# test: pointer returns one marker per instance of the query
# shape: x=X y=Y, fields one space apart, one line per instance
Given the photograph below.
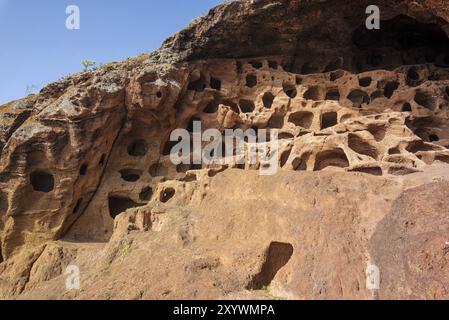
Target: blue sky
x=37 y=49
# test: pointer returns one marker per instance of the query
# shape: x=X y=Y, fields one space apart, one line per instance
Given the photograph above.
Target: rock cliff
x=363 y=117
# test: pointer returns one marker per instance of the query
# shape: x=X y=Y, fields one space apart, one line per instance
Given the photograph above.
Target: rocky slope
x=86 y=178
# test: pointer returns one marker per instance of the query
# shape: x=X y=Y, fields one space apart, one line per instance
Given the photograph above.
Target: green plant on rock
x=125 y=246
x=270 y=295
x=88 y=64
x=108 y=67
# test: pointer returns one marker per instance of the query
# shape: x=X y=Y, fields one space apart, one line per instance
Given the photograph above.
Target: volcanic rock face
x=86 y=176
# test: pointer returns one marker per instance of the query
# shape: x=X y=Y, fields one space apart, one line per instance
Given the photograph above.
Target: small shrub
x=108 y=67
x=88 y=64
x=126 y=246
x=270 y=295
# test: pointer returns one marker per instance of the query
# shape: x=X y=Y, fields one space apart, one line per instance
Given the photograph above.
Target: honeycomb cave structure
x=379 y=107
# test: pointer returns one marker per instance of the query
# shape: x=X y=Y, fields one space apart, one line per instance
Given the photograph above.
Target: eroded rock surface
x=86 y=177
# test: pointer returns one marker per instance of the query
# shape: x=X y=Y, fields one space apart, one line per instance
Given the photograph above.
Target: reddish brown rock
x=86 y=177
